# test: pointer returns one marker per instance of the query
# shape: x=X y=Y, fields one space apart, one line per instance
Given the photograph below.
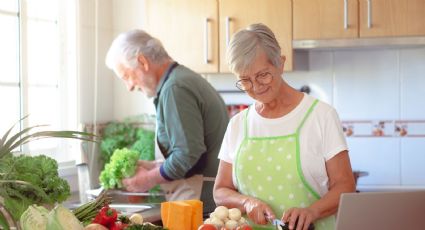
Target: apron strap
x=298 y=128
x=245 y=124
x=307 y=115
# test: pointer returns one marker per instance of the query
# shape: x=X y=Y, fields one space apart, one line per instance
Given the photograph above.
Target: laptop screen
x=381 y=210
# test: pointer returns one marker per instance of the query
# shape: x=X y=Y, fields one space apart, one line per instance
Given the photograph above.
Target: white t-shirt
x=321 y=137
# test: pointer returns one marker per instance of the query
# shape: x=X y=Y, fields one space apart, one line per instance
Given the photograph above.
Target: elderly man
x=191 y=118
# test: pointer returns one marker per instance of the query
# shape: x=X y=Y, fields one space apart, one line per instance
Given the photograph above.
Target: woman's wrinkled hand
x=258 y=211
x=301 y=217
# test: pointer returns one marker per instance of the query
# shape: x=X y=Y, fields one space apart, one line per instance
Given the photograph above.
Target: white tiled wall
x=412 y=161
x=366 y=84
x=412 y=75
x=380 y=157
x=365 y=80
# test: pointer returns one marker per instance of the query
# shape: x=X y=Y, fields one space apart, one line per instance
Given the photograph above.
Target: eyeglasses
x=247 y=84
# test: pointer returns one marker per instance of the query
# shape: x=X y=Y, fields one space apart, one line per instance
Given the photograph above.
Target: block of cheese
x=176 y=215
x=181 y=215
x=197 y=211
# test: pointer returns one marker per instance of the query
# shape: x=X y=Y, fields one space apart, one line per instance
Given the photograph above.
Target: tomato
x=244 y=227
x=207 y=227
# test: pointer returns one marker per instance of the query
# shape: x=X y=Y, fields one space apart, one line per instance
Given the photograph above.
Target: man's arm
x=184 y=127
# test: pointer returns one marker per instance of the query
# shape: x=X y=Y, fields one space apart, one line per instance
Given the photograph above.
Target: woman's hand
x=258 y=211
x=303 y=217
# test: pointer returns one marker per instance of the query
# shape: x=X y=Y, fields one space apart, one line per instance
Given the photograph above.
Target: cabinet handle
x=369 y=14
x=227 y=30
x=345 y=14
x=206 y=41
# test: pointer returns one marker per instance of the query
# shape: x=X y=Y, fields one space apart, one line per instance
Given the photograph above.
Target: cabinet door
x=379 y=18
x=325 y=19
x=188 y=30
x=238 y=14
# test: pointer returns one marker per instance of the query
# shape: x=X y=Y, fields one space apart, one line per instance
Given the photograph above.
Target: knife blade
x=278 y=224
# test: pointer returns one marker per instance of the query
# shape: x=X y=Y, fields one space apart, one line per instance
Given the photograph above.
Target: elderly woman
x=285 y=156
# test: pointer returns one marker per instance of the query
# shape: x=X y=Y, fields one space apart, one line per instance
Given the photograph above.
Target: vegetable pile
x=123 y=164
x=33 y=180
x=109 y=219
x=224 y=218
x=60 y=218
x=26 y=180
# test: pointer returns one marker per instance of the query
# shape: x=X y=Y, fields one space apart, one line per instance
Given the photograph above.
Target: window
x=38 y=74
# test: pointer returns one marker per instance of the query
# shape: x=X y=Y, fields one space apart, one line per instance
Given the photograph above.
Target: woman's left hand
x=305 y=217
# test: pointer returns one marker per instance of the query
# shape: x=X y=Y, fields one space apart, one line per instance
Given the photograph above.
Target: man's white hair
x=127 y=46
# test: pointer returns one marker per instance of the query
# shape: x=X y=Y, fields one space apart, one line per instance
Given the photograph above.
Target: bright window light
x=38 y=75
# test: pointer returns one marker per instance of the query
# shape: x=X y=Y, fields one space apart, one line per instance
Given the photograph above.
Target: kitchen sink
x=120 y=196
x=127 y=203
x=132 y=208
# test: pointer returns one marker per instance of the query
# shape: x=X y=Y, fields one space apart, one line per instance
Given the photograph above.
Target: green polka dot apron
x=269 y=168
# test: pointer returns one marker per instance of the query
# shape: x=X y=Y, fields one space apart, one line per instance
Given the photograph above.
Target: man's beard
x=145 y=93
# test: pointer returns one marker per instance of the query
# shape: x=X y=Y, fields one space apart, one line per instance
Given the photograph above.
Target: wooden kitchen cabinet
x=392 y=18
x=325 y=19
x=188 y=29
x=328 y=19
x=238 y=14
x=195 y=32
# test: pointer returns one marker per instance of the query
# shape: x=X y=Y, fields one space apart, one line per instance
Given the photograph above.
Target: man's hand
x=140 y=182
x=149 y=165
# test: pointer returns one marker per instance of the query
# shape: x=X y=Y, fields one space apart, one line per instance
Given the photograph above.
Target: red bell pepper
x=107 y=216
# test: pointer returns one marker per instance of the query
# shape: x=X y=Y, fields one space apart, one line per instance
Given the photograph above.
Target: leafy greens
x=123 y=164
x=127 y=134
x=39 y=182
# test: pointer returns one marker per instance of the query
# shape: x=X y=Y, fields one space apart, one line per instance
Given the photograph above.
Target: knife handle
x=286 y=226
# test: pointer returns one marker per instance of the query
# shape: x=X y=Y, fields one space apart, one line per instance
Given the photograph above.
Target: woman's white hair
x=128 y=45
x=245 y=45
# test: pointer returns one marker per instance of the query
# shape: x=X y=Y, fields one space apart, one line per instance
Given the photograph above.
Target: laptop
x=381 y=210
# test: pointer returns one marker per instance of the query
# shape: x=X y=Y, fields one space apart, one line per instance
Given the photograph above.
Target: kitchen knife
x=279 y=225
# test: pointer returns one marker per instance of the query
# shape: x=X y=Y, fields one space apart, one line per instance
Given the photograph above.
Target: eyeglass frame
x=259 y=76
